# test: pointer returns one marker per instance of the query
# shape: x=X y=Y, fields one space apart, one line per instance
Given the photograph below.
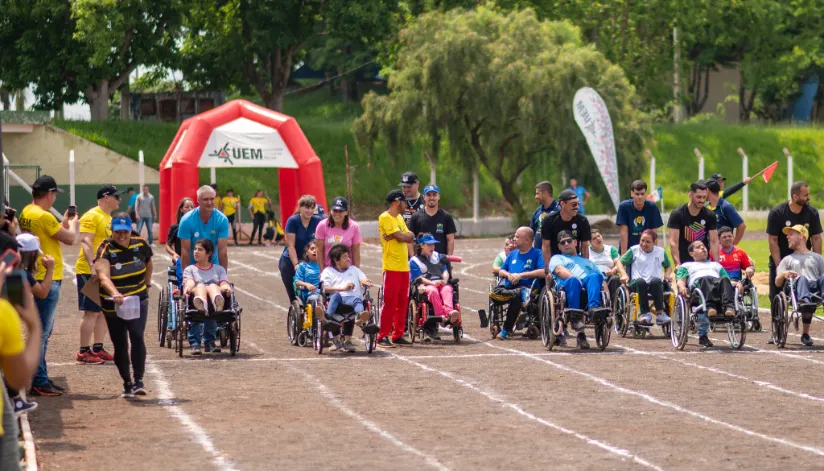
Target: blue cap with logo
x=431 y=188
x=428 y=239
x=121 y=224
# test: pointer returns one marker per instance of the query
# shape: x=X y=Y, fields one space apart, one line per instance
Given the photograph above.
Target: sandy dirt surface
x=482 y=404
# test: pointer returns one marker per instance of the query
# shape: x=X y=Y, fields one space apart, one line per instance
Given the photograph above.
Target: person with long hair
x=339 y=228
x=300 y=230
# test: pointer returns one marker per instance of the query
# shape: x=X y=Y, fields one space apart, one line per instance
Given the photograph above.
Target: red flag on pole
x=767 y=172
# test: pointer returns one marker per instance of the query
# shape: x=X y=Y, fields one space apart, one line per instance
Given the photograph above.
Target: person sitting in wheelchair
x=607 y=258
x=523 y=264
x=647 y=260
x=572 y=273
x=807 y=269
x=307 y=275
x=343 y=283
x=734 y=260
x=431 y=270
x=501 y=257
x=711 y=278
x=206 y=279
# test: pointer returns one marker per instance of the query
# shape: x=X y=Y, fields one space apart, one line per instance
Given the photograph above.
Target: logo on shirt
x=695 y=232
x=337 y=239
x=528 y=264
x=197 y=234
x=640 y=221
x=439 y=228
x=118 y=266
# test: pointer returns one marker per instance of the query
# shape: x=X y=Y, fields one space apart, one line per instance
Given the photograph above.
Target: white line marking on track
x=167 y=398
x=240 y=290
x=661 y=402
x=771 y=352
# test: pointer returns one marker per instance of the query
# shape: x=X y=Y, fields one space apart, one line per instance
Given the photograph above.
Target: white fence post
x=700 y=163
x=789 y=173
x=745 y=172
x=213 y=175
x=71 y=177
x=476 y=200
x=652 y=186
x=141 y=163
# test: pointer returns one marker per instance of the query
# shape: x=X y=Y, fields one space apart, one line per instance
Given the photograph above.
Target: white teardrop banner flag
x=592 y=117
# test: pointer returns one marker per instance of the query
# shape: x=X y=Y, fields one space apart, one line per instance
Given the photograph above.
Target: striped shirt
x=127 y=269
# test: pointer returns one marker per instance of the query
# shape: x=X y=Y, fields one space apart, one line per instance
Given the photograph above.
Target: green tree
x=501 y=85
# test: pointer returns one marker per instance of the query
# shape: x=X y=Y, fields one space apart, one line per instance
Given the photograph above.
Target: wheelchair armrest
x=454 y=281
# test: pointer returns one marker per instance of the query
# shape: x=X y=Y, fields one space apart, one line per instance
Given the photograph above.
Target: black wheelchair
x=300 y=321
x=556 y=315
x=228 y=320
x=326 y=326
x=626 y=308
x=167 y=311
x=529 y=318
x=785 y=310
x=684 y=320
x=420 y=317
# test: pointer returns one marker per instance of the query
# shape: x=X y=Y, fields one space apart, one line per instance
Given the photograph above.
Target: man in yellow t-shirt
x=37 y=219
x=230 y=204
x=95 y=227
x=257 y=210
x=394 y=237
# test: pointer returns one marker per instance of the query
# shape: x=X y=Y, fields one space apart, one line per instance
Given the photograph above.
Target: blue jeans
x=336 y=300
x=572 y=287
x=148 y=222
x=46 y=308
x=703 y=324
x=207 y=328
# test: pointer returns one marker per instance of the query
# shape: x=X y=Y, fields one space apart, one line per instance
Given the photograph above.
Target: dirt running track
x=479 y=405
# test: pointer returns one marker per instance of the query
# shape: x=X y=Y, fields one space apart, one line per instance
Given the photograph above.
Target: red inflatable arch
x=239 y=134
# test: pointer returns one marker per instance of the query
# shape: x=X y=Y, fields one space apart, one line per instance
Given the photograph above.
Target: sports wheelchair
x=228 y=320
x=684 y=320
x=556 y=316
x=785 y=311
x=529 y=318
x=326 y=326
x=626 y=308
x=420 y=316
x=167 y=310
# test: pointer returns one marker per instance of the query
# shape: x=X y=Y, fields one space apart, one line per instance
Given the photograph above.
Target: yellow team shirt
x=395 y=253
x=258 y=205
x=44 y=225
x=11 y=337
x=96 y=222
x=218 y=199
x=229 y=203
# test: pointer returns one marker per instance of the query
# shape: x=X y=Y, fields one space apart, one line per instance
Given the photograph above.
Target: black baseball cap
x=340 y=204
x=718 y=177
x=713 y=185
x=567 y=195
x=109 y=190
x=394 y=195
x=409 y=178
x=46 y=183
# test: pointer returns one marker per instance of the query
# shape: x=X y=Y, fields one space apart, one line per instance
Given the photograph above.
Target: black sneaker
x=385 y=343
x=401 y=341
x=196 y=350
x=21 y=406
x=138 y=388
x=704 y=341
x=806 y=340
x=561 y=341
x=582 y=341
x=45 y=390
x=57 y=386
x=128 y=390
x=212 y=348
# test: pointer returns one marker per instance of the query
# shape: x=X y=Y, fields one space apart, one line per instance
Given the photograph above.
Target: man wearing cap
x=37 y=219
x=807 y=269
x=147 y=212
x=727 y=192
x=414 y=200
x=434 y=220
x=692 y=222
x=566 y=219
x=95 y=227
x=725 y=213
x=394 y=239
x=546 y=206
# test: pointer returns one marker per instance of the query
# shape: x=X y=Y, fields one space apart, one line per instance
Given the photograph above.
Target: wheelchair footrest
x=807 y=308
x=574 y=314
x=433 y=321
x=370 y=329
x=600 y=313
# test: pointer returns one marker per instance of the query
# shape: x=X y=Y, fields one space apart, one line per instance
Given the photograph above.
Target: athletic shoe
x=349 y=347
x=711 y=312
x=503 y=335
x=454 y=316
x=435 y=334
x=401 y=341
x=128 y=390
x=211 y=347
x=385 y=343
x=56 y=386
x=771 y=341
x=21 y=406
x=582 y=341
x=103 y=355
x=704 y=341
x=45 y=390
x=218 y=302
x=196 y=350
x=806 y=340
x=199 y=303
x=561 y=341
x=645 y=318
x=138 y=388
x=88 y=358
x=730 y=311
x=662 y=319
x=338 y=344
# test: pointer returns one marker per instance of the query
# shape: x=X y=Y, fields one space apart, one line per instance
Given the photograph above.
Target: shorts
x=83 y=302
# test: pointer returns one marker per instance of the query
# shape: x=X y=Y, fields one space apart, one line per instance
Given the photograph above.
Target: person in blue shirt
x=132 y=201
x=572 y=273
x=583 y=194
x=204 y=222
x=635 y=215
x=299 y=231
x=307 y=275
x=523 y=264
x=725 y=211
x=546 y=205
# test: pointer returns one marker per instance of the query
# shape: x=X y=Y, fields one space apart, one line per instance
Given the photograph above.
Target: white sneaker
x=199 y=303
x=645 y=318
x=662 y=319
x=218 y=301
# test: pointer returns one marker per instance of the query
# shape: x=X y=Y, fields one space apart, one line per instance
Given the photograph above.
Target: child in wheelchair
x=205 y=280
x=431 y=270
x=307 y=275
x=343 y=282
x=647 y=260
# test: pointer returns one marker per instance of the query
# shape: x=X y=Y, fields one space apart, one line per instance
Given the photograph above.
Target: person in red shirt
x=732 y=258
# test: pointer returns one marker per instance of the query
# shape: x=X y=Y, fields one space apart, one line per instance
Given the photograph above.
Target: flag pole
x=789 y=173
x=744 y=171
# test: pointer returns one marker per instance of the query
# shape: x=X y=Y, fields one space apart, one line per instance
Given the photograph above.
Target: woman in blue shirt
x=299 y=231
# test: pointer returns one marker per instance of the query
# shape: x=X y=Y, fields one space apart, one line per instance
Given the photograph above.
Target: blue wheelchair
x=167 y=309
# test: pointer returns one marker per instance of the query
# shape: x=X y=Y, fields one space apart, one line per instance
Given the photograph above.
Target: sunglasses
x=573 y=203
x=565 y=242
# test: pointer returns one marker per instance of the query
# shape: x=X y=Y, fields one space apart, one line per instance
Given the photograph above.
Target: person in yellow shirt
x=95 y=227
x=257 y=210
x=394 y=237
x=37 y=219
x=229 y=206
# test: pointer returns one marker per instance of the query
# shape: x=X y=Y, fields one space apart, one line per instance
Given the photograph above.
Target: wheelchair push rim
x=680 y=323
x=779 y=320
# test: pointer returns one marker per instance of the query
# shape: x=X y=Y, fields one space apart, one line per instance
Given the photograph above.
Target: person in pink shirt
x=338 y=228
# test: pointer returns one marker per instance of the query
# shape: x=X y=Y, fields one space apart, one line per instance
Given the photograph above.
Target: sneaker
x=645 y=318
x=349 y=347
x=806 y=340
x=196 y=350
x=704 y=341
x=88 y=358
x=662 y=319
x=401 y=341
x=385 y=343
x=435 y=334
x=561 y=341
x=503 y=335
x=712 y=312
x=338 y=344
x=128 y=390
x=582 y=341
x=771 y=341
x=138 y=388
x=453 y=317
x=45 y=390
x=729 y=311
x=218 y=302
x=103 y=355
x=56 y=386
x=363 y=318
x=199 y=303
x=212 y=348
x=21 y=406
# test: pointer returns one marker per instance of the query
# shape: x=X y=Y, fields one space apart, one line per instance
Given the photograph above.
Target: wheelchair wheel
x=545 y=316
x=494 y=328
x=639 y=332
x=412 y=319
x=379 y=306
x=737 y=333
x=293 y=330
x=224 y=338
x=680 y=324
x=780 y=320
x=556 y=327
x=457 y=333
x=162 y=316
x=234 y=332
x=602 y=334
x=620 y=311
x=239 y=329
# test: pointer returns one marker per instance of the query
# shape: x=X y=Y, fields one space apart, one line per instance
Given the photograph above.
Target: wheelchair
x=167 y=311
x=555 y=315
x=326 y=326
x=420 y=317
x=227 y=319
x=684 y=320
x=747 y=298
x=626 y=309
x=300 y=321
x=785 y=311
x=528 y=319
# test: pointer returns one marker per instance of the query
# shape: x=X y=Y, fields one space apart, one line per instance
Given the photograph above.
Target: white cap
x=28 y=242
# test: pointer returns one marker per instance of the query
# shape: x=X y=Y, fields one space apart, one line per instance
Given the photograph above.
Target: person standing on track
x=172 y=240
x=146 y=210
x=414 y=200
x=132 y=199
x=37 y=219
x=300 y=230
x=95 y=227
x=567 y=219
x=692 y=222
x=434 y=220
x=257 y=211
x=338 y=228
x=546 y=205
x=725 y=212
x=635 y=215
x=229 y=206
x=581 y=192
x=394 y=239
x=727 y=192
x=204 y=222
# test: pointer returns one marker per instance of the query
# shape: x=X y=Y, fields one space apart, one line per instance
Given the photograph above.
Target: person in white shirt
x=343 y=282
x=647 y=261
x=607 y=259
x=807 y=269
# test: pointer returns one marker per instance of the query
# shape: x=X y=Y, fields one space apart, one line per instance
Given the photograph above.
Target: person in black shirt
x=414 y=200
x=726 y=192
x=788 y=214
x=172 y=241
x=565 y=219
x=693 y=222
x=434 y=220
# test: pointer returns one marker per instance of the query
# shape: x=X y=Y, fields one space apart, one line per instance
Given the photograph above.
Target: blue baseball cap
x=428 y=239
x=431 y=188
x=121 y=224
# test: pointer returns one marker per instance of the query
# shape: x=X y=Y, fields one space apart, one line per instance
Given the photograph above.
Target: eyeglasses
x=573 y=203
x=565 y=242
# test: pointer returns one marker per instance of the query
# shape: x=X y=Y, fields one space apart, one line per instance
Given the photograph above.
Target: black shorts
x=83 y=302
x=231 y=219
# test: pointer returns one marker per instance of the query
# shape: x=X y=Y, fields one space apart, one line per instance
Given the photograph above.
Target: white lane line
x=667 y=404
x=494 y=398
x=196 y=432
x=771 y=352
x=763 y=384
x=247 y=293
